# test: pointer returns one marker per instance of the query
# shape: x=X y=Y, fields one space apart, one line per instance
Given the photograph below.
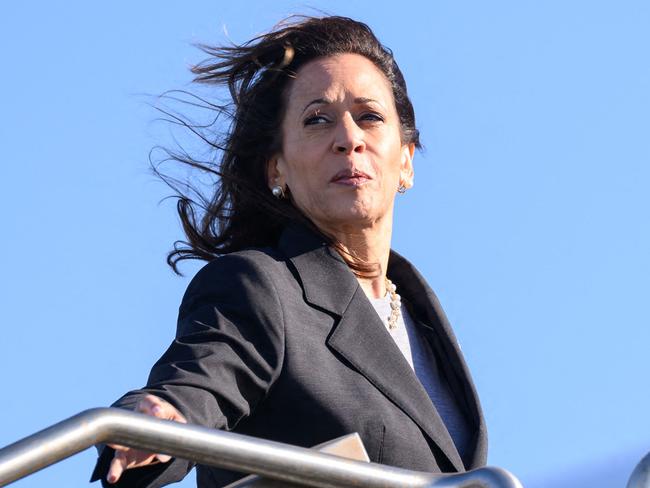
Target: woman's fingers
x=127 y=457
x=131 y=458
x=157 y=407
x=117 y=467
x=118 y=447
x=163 y=458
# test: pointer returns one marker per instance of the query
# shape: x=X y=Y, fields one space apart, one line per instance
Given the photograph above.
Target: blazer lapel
x=362 y=339
x=360 y=336
x=427 y=311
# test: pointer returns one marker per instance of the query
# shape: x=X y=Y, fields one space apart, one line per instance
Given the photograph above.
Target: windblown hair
x=241 y=211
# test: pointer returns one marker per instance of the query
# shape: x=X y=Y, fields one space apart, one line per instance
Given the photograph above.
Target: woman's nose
x=348 y=137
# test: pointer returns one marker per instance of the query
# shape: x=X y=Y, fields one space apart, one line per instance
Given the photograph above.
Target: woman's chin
x=357 y=217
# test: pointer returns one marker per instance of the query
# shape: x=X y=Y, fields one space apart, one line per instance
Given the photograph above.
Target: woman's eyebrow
x=315 y=102
x=366 y=100
x=358 y=100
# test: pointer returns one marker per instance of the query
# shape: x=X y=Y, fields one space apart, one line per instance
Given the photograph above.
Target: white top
x=420 y=357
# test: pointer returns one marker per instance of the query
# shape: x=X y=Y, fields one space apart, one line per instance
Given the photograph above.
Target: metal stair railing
x=640 y=477
x=225 y=450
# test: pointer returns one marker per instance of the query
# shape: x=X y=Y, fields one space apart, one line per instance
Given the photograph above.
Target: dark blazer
x=282 y=343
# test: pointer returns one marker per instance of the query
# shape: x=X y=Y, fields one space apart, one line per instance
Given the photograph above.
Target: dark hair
x=241 y=212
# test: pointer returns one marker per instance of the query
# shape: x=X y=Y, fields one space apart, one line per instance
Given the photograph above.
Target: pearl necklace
x=395 y=304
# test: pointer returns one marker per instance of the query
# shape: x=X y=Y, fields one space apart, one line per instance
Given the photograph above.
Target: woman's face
x=342 y=158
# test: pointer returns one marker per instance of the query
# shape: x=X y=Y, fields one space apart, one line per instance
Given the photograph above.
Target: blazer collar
x=362 y=339
x=326 y=280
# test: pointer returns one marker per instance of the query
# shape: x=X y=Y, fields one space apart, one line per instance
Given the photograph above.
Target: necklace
x=395 y=304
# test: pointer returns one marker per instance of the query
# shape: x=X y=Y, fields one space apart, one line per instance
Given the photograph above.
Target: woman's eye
x=315 y=120
x=372 y=117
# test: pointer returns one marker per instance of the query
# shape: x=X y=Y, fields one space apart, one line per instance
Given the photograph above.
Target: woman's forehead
x=339 y=78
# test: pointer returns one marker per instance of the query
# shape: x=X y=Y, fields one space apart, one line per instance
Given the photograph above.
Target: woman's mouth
x=349 y=177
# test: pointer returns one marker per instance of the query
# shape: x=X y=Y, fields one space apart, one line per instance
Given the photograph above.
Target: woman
x=304 y=326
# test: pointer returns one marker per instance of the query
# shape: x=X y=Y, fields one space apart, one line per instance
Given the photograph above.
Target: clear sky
x=529 y=215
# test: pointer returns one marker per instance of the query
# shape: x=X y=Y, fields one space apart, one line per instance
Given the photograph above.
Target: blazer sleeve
x=227 y=353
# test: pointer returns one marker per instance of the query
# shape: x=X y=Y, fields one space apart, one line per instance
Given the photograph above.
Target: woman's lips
x=350 y=178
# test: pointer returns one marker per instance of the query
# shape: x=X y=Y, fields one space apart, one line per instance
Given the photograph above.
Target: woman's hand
x=127 y=457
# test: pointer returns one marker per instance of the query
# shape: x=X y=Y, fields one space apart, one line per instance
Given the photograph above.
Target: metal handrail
x=640 y=477
x=225 y=450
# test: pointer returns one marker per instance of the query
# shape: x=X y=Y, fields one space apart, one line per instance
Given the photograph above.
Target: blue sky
x=529 y=215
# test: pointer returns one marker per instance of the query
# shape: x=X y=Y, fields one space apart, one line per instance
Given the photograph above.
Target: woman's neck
x=370 y=245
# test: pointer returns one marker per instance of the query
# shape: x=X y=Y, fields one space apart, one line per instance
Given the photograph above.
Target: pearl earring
x=277 y=191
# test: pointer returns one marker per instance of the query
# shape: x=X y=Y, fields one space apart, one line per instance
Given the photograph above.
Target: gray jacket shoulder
x=250 y=273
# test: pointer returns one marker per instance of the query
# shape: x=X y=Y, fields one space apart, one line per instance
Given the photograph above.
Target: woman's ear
x=274 y=173
x=406 y=169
